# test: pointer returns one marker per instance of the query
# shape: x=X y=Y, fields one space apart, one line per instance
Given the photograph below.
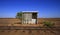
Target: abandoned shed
x=29 y=17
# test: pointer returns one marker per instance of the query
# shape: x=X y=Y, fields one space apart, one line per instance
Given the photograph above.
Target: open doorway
x=34 y=18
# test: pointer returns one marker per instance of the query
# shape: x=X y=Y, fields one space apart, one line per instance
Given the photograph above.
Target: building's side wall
x=26 y=19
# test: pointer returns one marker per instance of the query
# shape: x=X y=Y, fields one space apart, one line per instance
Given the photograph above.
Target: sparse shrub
x=48 y=24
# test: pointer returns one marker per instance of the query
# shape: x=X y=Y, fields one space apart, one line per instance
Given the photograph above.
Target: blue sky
x=45 y=8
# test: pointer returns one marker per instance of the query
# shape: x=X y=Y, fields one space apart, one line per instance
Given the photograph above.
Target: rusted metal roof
x=30 y=11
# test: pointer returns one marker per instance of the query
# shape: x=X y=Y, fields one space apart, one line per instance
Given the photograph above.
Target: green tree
x=19 y=15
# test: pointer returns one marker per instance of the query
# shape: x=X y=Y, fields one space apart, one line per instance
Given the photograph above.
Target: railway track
x=26 y=28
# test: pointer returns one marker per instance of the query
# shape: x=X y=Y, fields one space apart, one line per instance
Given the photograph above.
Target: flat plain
x=15 y=22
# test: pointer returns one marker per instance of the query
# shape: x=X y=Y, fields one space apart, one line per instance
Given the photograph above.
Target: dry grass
x=13 y=21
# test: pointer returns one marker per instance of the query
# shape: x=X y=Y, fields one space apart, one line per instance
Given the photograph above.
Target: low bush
x=48 y=24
